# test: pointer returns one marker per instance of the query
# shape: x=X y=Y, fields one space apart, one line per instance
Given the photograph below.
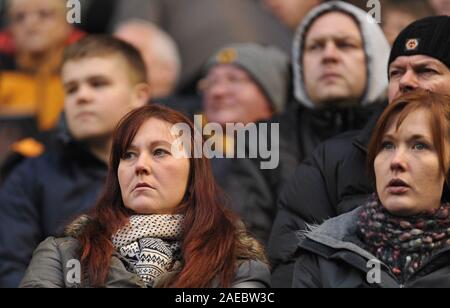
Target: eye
x=45 y=14
x=70 y=89
x=427 y=70
x=387 y=146
x=314 y=46
x=128 y=155
x=345 y=45
x=160 y=153
x=98 y=83
x=19 y=17
x=420 y=146
x=394 y=73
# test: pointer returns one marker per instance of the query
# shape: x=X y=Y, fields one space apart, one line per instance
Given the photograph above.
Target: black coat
x=254 y=191
x=332 y=181
x=39 y=197
x=332 y=256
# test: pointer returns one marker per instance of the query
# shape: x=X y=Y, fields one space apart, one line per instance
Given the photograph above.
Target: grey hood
x=376 y=47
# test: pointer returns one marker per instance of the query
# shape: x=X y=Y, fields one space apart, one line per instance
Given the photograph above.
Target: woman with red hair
x=161 y=221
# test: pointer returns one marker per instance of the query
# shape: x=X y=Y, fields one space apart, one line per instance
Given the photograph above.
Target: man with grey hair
x=440 y=7
x=159 y=51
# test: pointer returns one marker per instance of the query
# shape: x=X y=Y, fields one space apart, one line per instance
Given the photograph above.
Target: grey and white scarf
x=151 y=244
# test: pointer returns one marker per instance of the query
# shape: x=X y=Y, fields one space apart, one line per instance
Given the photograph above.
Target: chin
x=399 y=208
x=141 y=209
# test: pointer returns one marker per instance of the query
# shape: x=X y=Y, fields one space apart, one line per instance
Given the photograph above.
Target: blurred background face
x=407 y=73
x=394 y=21
x=98 y=93
x=158 y=57
x=441 y=7
x=152 y=180
x=408 y=178
x=334 y=60
x=231 y=96
x=38 y=25
x=291 y=12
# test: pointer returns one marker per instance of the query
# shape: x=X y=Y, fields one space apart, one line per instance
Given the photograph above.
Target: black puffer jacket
x=254 y=191
x=332 y=256
x=330 y=182
x=40 y=197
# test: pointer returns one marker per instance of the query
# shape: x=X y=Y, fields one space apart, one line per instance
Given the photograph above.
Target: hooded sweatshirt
x=375 y=45
x=306 y=125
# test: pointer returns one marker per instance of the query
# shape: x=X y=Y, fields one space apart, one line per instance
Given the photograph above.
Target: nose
x=408 y=82
x=330 y=53
x=216 y=93
x=398 y=161
x=143 y=165
x=31 y=19
x=218 y=89
x=84 y=94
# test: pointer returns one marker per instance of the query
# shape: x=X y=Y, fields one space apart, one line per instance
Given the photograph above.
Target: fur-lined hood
x=76 y=227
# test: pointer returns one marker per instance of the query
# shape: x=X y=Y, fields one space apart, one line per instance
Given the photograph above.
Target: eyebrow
x=415 y=65
x=335 y=37
x=152 y=144
x=413 y=137
x=93 y=77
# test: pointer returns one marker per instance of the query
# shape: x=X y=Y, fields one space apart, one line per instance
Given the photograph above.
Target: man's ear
x=141 y=95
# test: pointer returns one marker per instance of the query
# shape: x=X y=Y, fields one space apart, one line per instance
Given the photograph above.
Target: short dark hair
x=105 y=45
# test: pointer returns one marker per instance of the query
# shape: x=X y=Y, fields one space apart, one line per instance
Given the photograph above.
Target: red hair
x=210 y=243
x=438 y=108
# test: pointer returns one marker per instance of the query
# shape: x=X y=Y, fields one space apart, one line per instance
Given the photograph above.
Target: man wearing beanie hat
x=245 y=83
x=333 y=180
x=420 y=57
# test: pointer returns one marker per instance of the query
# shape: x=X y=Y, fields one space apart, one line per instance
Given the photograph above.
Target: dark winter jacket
x=304 y=126
x=332 y=256
x=254 y=191
x=40 y=197
x=332 y=181
x=48 y=267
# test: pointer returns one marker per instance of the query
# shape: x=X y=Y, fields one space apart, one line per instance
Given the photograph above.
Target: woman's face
x=408 y=178
x=152 y=180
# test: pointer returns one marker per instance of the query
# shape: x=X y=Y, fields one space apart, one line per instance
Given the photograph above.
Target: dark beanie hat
x=429 y=36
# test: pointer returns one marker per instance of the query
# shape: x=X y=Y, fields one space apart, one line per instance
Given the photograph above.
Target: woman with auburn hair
x=160 y=222
x=401 y=237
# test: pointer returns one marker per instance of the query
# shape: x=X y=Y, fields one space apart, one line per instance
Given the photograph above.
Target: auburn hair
x=438 y=108
x=211 y=242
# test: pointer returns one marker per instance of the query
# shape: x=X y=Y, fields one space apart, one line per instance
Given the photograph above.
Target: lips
x=84 y=114
x=397 y=187
x=142 y=186
x=328 y=76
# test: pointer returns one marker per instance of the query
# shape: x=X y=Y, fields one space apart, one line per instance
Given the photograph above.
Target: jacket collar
x=335 y=233
x=336 y=238
x=73 y=149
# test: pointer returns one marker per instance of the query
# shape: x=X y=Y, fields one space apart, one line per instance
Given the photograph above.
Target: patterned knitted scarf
x=151 y=244
x=403 y=243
